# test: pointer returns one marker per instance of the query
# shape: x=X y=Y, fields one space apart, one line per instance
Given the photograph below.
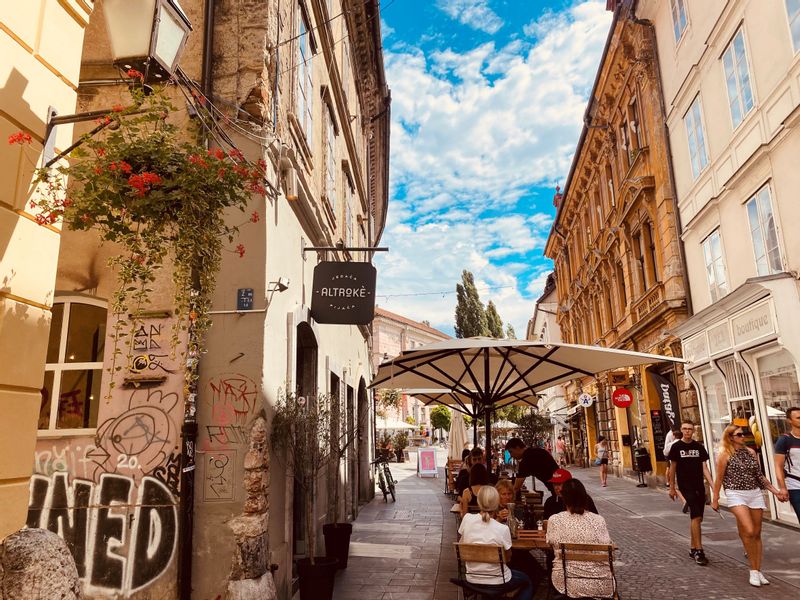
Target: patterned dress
x=588 y=528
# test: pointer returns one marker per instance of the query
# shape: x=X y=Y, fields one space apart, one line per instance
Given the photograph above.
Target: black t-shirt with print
x=689 y=459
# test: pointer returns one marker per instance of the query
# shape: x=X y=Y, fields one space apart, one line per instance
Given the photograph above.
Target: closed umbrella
x=458 y=436
x=492 y=373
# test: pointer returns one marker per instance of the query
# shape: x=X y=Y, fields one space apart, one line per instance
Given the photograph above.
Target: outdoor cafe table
x=532 y=542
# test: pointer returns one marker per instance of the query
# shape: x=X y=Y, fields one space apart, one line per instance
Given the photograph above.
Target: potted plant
x=301 y=430
x=400 y=444
x=337 y=534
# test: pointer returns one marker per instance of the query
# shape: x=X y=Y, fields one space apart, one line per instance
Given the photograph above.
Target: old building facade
x=615 y=244
x=40 y=43
x=731 y=82
x=392 y=334
x=299 y=85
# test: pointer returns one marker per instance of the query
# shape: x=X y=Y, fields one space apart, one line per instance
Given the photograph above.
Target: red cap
x=560 y=476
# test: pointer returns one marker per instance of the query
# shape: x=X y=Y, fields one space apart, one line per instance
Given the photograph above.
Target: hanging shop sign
x=617 y=378
x=343 y=293
x=659 y=432
x=585 y=400
x=669 y=399
x=622 y=398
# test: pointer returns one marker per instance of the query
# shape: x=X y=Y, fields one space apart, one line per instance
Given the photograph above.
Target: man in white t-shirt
x=787 y=461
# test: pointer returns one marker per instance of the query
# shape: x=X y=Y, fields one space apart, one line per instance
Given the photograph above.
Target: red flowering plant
x=147 y=185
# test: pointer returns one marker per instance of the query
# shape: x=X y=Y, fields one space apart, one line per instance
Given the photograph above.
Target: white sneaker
x=755 y=580
x=762 y=579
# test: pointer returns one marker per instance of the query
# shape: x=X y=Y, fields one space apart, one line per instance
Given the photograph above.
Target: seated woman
x=577 y=525
x=521 y=560
x=478 y=477
x=484 y=529
x=462 y=479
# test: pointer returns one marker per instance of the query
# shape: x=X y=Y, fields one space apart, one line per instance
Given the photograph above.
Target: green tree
x=533 y=427
x=440 y=417
x=510 y=413
x=510 y=333
x=410 y=420
x=470 y=315
x=493 y=321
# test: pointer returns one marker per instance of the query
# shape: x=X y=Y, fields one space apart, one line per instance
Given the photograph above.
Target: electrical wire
x=443 y=293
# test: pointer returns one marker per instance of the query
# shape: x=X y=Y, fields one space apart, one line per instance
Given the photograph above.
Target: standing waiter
x=533 y=462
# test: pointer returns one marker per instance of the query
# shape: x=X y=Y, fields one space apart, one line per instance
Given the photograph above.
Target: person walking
x=533 y=462
x=787 y=461
x=601 y=450
x=561 y=449
x=688 y=465
x=739 y=472
x=482 y=528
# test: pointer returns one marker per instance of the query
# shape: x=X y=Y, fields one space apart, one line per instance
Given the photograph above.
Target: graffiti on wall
x=233 y=399
x=123 y=535
x=219 y=475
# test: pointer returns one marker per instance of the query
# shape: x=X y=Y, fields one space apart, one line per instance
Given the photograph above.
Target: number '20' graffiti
x=113 y=549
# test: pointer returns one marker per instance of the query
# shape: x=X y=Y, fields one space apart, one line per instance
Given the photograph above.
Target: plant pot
x=399 y=454
x=337 y=542
x=316 y=581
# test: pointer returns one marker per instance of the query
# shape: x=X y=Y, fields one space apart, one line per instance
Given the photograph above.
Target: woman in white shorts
x=739 y=472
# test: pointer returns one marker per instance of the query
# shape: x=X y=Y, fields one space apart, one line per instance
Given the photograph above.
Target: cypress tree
x=493 y=320
x=470 y=315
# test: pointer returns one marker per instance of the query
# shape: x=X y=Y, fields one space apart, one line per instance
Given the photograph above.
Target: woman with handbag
x=601 y=450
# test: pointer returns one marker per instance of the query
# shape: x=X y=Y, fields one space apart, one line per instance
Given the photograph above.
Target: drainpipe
x=189 y=426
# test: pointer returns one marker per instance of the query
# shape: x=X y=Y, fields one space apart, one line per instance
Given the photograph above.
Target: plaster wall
x=761 y=150
x=40 y=42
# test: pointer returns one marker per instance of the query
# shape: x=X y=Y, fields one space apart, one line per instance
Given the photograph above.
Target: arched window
x=74 y=365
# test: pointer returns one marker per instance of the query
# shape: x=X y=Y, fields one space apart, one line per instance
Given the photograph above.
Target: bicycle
x=384 y=476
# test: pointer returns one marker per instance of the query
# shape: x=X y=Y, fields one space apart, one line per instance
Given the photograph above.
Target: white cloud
x=473 y=13
x=472 y=133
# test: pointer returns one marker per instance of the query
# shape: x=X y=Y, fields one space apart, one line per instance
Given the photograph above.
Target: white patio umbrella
x=493 y=373
x=458 y=435
x=392 y=424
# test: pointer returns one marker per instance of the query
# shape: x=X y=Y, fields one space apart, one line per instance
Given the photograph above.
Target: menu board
x=426 y=462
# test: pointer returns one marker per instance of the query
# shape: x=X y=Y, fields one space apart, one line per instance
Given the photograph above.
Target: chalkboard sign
x=659 y=433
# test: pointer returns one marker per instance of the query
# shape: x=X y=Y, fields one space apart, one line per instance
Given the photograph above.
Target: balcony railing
x=648 y=303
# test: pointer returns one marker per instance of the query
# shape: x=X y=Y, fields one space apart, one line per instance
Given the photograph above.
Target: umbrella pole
x=474 y=430
x=488 y=422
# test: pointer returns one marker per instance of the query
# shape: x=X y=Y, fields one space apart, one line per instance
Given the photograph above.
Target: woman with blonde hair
x=739 y=472
x=484 y=529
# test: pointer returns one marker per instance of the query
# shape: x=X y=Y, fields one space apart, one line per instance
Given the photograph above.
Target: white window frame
x=696 y=137
x=305 y=81
x=736 y=62
x=761 y=199
x=678 y=10
x=61 y=365
x=713 y=265
x=793 y=20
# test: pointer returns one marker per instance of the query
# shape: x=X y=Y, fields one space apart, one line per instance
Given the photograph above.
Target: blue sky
x=487 y=102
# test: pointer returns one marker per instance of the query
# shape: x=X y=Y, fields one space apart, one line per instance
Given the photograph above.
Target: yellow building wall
x=40 y=46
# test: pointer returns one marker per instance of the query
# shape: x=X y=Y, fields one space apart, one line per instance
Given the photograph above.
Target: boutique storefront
x=742 y=357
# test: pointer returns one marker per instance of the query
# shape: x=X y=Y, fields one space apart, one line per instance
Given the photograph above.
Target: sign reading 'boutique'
x=343 y=293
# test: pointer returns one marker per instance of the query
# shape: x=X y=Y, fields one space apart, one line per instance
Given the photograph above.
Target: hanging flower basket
x=155 y=190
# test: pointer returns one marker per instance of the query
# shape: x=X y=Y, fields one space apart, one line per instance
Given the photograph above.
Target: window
x=697 y=141
x=634 y=122
x=346 y=68
x=74 y=366
x=793 y=11
x=737 y=78
x=678 y=18
x=719 y=416
x=764 y=234
x=715 y=266
x=649 y=254
x=638 y=261
x=623 y=299
x=330 y=160
x=348 y=211
x=610 y=182
x=305 y=83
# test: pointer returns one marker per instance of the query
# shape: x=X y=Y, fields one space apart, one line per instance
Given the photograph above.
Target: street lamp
x=147 y=35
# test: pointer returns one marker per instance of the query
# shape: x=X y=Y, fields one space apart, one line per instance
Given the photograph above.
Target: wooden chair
x=482 y=553
x=452 y=469
x=598 y=553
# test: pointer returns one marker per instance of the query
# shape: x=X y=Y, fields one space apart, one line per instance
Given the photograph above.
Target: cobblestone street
x=404 y=549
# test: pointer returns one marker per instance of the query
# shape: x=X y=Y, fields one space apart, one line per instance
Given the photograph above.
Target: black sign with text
x=659 y=433
x=668 y=394
x=343 y=293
